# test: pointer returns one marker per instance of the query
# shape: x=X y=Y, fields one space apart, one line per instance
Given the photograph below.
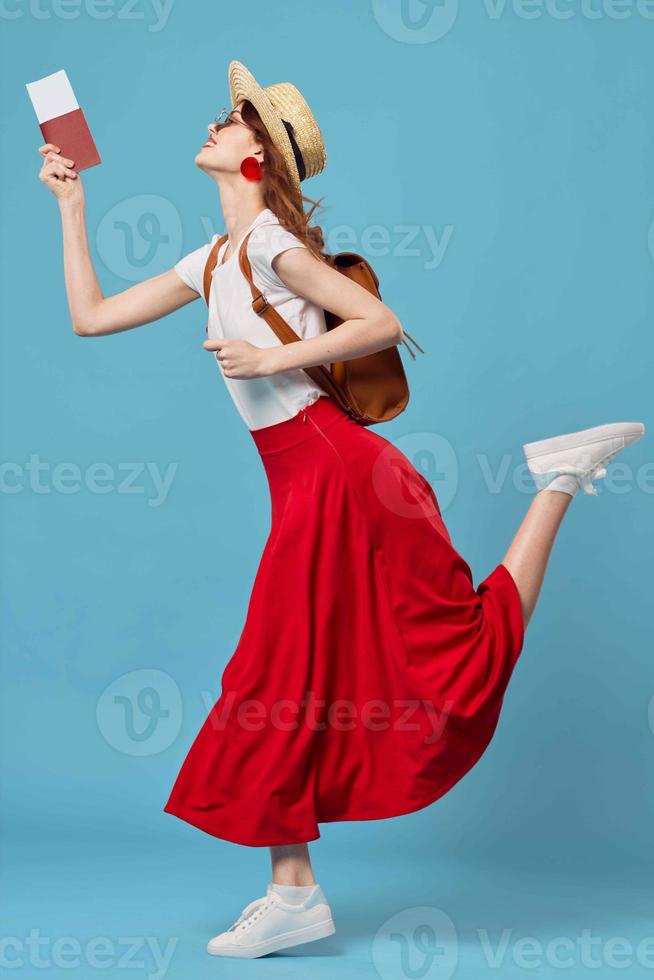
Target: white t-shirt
x=260 y=401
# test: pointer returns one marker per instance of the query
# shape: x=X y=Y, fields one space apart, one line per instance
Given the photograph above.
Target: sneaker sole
x=585 y=437
x=306 y=935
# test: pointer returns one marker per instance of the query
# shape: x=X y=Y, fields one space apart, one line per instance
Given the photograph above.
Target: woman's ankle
x=294 y=880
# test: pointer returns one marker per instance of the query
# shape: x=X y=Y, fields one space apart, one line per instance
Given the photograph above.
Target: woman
x=370 y=673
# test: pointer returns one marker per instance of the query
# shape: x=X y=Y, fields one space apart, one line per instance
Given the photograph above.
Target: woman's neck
x=240 y=205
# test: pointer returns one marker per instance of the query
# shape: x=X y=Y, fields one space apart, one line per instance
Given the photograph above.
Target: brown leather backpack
x=372 y=388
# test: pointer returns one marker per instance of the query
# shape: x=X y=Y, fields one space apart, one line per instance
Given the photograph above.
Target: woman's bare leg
x=530 y=549
x=291 y=865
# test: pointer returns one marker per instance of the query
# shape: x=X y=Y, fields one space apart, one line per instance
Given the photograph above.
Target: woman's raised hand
x=58 y=176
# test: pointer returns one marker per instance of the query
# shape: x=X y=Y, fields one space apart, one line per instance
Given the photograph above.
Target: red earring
x=251 y=169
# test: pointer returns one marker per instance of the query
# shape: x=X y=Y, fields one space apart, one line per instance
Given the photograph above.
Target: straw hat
x=288 y=120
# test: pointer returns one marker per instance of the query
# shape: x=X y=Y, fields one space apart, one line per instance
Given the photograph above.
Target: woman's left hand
x=240 y=359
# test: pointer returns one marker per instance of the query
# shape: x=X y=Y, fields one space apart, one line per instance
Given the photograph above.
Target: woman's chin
x=204 y=161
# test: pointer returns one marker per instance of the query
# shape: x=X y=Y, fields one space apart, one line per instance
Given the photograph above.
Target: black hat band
x=299 y=162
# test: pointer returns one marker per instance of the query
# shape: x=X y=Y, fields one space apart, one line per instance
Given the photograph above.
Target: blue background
x=524 y=144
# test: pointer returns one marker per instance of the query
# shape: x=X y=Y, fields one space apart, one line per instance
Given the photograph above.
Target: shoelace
x=250 y=913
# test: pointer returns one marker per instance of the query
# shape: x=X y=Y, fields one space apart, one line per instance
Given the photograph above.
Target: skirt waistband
x=284 y=435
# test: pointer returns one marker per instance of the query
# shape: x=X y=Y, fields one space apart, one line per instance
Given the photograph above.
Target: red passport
x=61 y=120
x=72 y=135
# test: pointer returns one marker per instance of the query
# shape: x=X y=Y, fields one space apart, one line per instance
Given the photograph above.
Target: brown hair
x=279 y=194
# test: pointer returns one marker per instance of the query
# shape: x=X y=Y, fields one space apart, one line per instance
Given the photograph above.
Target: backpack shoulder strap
x=210 y=265
x=319 y=373
x=260 y=304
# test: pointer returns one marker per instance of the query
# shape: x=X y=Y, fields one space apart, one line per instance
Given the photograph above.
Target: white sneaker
x=584 y=454
x=270 y=923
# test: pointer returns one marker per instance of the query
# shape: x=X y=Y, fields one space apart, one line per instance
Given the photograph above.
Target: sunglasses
x=226 y=116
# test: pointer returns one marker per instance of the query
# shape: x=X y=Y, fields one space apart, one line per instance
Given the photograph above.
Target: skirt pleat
x=370 y=673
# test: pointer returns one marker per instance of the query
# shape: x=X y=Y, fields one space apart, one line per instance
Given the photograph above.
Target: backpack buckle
x=259 y=304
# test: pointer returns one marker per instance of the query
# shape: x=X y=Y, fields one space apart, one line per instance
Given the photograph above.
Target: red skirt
x=370 y=673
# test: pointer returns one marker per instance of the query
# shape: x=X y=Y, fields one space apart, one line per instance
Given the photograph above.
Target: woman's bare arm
x=92 y=313
x=95 y=315
x=368 y=324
